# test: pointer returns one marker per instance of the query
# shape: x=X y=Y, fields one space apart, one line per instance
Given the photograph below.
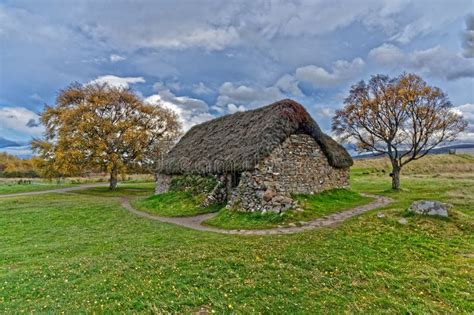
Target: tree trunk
x=395 y=176
x=113 y=178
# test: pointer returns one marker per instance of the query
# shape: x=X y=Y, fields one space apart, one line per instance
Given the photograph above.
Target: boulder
x=403 y=221
x=283 y=200
x=430 y=207
x=269 y=194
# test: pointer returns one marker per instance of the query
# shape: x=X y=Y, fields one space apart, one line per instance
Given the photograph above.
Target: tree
x=402 y=117
x=99 y=126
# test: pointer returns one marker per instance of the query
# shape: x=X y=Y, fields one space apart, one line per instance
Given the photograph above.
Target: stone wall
x=162 y=183
x=219 y=192
x=296 y=166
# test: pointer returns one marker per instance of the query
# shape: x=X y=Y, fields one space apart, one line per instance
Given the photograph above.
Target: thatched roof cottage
x=260 y=157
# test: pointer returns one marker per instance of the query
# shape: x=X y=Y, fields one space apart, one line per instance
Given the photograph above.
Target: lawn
x=14 y=188
x=312 y=206
x=84 y=253
x=130 y=189
x=175 y=204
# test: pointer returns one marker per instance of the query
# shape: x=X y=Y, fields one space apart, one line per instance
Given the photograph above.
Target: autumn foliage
x=402 y=118
x=97 y=126
x=12 y=166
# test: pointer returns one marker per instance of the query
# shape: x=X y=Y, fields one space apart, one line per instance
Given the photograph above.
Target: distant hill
x=464 y=148
x=461 y=164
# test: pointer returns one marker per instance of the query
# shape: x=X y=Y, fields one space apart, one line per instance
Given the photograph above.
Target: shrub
x=193 y=183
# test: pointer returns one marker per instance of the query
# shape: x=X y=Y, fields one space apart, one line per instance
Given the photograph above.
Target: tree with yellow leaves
x=99 y=126
x=402 y=117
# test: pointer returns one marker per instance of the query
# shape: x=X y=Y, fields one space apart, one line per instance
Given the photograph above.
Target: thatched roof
x=239 y=141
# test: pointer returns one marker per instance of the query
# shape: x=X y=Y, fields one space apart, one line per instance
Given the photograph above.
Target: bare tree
x=402 y=117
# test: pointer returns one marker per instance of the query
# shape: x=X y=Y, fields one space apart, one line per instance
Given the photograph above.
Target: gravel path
x=195 y=222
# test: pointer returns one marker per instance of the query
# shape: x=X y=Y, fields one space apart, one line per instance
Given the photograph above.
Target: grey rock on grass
x=430 y=207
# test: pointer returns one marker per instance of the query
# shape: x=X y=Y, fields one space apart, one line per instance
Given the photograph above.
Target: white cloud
x=36 y=97
x=341 y=70
x=119 y=82
x=234 y=108
x=428 y=18
x=19 y=123
x=435 y=61
x=209 y=38
x=411 y=30
x=116 y=58
x=288 y=84
x=190 y=111
x=161 y=86
x=247 y=96
x=315 y=18
x=467 y=111
x=387 y=54
x=201 y=89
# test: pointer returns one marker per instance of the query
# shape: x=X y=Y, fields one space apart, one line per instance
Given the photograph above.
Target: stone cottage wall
x=296 y=166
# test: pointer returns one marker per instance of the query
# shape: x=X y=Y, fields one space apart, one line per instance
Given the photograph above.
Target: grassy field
x=312 y=206
x=130 y=189
x=84 y=253
x=175 y=204
x=6 y=189
x=11 y=186
x=430 y=165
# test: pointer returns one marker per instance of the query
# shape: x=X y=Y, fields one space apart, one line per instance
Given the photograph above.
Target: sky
x=205 y=59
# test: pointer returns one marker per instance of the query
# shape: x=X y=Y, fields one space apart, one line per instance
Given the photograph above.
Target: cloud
x=162 y=33
x=419 y=21
x=116 y=58
x=341 y=71
x=230 y=53
x=271 y=19
x=36 y=97
x=161 y=86
x=190 y=111
x=234 y=108
x=288 y=84
x=387 y=54
x=119 y=82
x=201 y=89
x=32 y=123
x=468 y=37
x=17 y=122
x=208 y=38
x=467 y=111
x=229 y=93
x=436 y=61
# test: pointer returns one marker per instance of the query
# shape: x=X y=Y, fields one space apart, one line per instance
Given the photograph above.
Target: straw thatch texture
x=237 y=142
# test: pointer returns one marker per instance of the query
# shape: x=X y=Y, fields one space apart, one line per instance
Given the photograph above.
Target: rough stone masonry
x=297 y=166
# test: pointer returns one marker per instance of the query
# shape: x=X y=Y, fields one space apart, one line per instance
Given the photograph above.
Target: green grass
x=312 y=206
x=175 y=204
x=6 y=189
x=123 y=189
x=83 y=253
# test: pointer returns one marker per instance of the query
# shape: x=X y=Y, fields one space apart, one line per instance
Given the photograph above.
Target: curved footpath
x=195 y=222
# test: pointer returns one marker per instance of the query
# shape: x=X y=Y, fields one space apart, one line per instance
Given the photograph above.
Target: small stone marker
x=403 y=221
x=430 y=207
